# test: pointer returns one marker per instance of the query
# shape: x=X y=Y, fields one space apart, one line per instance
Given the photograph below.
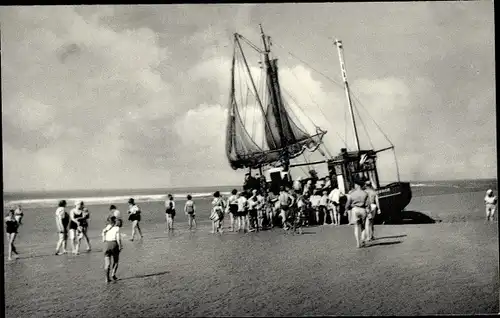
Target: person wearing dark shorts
x=233 y=208
x=135 y=217
x=112 y=247
x=170 y=212
x=11 y=226
x=62 y=222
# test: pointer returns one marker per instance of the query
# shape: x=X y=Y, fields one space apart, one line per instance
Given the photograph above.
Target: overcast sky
x=136 y=96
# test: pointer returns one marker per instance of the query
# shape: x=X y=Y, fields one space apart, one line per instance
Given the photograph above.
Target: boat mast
x=338 y=43
x=272 y=76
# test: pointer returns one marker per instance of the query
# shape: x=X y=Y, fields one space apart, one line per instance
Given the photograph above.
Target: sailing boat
x=284 y=140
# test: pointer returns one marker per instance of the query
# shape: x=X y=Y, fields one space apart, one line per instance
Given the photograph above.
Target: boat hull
x=393 y=198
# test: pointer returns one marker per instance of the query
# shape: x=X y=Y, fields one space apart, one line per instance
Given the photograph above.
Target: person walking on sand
x=170 y=212
x=135 y=217
x=260 y=210
x=490 y=200
x=18 y=214
x=62 y=222
x=75 y=230
x=11 y=227
x=118 y=216
x=112 y=247
x=233 y=208
x=357 y=202
x=189 y=210
x=373 y=209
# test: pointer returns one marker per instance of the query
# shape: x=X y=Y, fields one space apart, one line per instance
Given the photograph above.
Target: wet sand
x=442 y=268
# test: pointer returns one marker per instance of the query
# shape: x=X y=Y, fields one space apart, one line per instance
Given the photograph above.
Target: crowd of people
x=257 y=207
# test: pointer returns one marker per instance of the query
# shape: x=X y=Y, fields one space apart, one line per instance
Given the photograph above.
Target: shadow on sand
x=389 y=237
x=146 y=275
x=412 y=217
x=382 y=243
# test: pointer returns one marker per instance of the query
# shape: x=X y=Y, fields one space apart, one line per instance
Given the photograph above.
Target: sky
x=97 y=97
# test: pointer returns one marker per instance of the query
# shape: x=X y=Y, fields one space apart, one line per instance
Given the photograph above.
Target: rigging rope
x=364 y=127
x=338 y=84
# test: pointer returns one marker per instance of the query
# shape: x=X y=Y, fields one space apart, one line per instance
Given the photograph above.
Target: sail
x=282 y=132
x=284 y=140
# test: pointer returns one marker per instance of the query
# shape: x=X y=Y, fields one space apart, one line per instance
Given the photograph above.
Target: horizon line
x=213 y=186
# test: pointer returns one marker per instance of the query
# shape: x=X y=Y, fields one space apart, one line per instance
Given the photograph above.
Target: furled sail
x=284 y=140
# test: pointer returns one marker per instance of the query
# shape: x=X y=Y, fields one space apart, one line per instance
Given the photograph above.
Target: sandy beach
x=450 y=267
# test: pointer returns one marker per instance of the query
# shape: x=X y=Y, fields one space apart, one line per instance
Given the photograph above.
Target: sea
x=39 y=199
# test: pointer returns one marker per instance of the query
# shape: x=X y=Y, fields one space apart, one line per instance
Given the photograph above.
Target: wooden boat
x=284 y=140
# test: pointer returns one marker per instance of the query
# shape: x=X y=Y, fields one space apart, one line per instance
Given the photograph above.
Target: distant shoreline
x=181 y=188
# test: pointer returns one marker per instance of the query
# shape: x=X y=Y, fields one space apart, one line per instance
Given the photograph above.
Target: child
x=190 y=209
x=490 y=201
x=323 y=203
x=299 y=217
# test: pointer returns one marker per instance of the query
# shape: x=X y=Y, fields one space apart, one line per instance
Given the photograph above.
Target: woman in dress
x=11 y=226
x=134 y=215
x=218 y=207
x=112 y=248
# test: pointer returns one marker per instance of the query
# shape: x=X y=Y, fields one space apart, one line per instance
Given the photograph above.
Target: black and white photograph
x=250 y=159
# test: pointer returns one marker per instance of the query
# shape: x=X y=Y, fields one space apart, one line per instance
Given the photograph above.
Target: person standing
x=490 y=200
x=252 y=210
x=112 y=247
x=334 y=204
x=11 y=227
x=75 y=230
x=190 y=210
x=170 y=212
x=357 y=202
x=233 y=208
x=62 y=222
x=373 y=209
x=285 y=203
x=242 y=212
x=84 y=226
x=135 y=217
x=323 y=206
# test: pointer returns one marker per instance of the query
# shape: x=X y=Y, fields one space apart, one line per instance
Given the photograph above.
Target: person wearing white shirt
x=315 y=198
x=242 y=212
x=112 y=247
x=490 y=201
x=334 y=200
